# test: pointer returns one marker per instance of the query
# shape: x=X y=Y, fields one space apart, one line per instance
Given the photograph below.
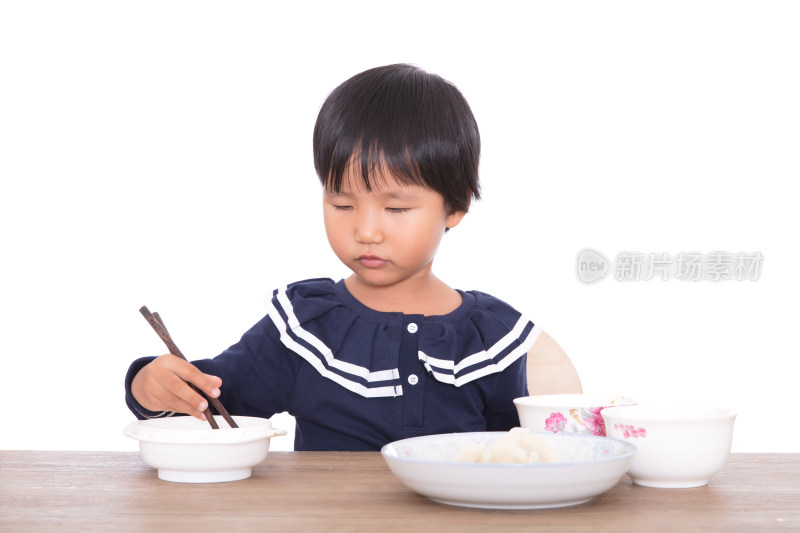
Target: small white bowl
x=567 y=413
x=679 y=447
x=587 y=466
x=187 y=450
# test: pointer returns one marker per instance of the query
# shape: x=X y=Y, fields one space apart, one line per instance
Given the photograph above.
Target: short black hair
x=414 y=124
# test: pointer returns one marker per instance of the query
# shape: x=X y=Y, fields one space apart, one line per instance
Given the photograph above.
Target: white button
x=413 y=379
x=412 y=328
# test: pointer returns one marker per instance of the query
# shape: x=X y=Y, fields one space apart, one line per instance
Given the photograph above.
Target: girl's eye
x=342 y=207
x=397 y=209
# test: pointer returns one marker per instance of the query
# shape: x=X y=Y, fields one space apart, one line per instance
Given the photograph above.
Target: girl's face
x=389 y=235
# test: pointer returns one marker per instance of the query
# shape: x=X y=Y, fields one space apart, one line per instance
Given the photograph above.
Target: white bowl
x=587 y=466
x=567 y=413
x=187 y=450
x=679 y=447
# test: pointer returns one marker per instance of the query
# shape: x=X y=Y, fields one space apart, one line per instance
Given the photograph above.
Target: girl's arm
x=549 y=369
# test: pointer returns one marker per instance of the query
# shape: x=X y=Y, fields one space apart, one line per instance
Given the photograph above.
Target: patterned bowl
x=679 y=447
x=567 y=413
x=586 y=466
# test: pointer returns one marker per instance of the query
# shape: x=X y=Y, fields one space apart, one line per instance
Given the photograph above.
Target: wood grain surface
x=356 y=491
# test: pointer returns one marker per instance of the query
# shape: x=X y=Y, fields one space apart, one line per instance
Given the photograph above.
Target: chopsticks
x=154 y=319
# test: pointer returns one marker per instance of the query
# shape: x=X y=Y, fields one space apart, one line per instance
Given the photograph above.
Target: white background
x=159 y=153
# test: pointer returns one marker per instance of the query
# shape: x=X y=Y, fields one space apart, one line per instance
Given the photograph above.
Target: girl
x=392 y=351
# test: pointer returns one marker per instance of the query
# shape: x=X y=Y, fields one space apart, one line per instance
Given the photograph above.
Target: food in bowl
x=519 y=445
x=586 y=467
x=185 y=449
x=679 y=447
x=567 y=413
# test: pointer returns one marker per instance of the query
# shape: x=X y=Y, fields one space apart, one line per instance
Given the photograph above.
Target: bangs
x=375 y=166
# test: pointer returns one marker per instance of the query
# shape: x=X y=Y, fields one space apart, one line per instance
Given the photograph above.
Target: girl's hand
x=161 y=386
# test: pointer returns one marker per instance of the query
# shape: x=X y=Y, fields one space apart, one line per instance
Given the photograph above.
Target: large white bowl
x=187 y=450
x=587 y=466
x=679 y=447
x=567 y=413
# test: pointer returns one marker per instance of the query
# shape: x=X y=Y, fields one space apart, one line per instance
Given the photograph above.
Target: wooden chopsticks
x=158 y=325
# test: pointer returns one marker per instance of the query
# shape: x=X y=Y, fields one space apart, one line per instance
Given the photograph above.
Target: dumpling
x=504 y=450
x=471 y=453
x=520 y=445
x=537 y=447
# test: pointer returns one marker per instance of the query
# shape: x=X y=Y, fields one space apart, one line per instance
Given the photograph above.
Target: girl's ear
x=453 y=219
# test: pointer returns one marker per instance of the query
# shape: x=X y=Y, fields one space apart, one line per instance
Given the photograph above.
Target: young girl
x=392 y=351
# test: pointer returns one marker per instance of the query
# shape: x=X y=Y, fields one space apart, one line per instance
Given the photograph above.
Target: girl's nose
x=368 y=229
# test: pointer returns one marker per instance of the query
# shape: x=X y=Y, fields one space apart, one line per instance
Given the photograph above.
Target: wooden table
x=355 y=491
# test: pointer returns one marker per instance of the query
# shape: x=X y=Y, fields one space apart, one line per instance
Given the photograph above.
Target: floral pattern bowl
x=567 y=413
x=585 y=467
x=678 y=446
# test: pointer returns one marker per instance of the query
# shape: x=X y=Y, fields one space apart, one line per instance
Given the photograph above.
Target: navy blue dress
x=355 y=378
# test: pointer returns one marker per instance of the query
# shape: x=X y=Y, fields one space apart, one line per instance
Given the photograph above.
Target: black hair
x=414 y=124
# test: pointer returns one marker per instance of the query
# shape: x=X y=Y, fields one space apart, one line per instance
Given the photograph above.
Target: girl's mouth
x=372 y=261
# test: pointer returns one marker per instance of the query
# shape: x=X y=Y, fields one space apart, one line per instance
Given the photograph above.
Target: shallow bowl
x=587 y=466
x=567 y=413
x=187 y=450
x=679 y=447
